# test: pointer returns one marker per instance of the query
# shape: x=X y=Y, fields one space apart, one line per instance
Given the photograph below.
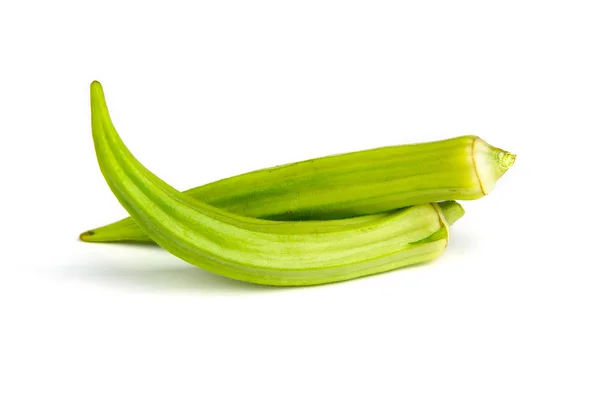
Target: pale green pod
x=264 y=251
x=347 y=185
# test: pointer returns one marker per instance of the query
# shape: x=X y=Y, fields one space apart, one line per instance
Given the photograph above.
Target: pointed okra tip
x=95 y=85
x=96 y=91
x=87 y=236
x=491 y=163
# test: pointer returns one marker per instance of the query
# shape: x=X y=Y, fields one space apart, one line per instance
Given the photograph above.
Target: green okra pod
x=346 y=185
x=265 y=251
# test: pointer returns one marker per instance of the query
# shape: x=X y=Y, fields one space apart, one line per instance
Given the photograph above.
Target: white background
x=205 y=90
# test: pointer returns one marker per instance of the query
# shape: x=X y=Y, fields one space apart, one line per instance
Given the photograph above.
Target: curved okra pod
x=263 y=251
x=347 y=185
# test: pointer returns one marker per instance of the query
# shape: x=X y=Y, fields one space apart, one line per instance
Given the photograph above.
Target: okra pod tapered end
x=123 y=230
x=491 y=163
x=87 y=236
x=104 y=236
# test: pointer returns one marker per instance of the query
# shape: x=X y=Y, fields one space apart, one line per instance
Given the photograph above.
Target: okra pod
x=265 y=251
x=347 y=185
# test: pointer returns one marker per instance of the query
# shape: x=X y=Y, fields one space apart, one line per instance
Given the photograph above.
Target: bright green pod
x=263 y=251
x=347 y=185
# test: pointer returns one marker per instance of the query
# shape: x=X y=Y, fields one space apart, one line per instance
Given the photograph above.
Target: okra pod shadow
x=167 y=277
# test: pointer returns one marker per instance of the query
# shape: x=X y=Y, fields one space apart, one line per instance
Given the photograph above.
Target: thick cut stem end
x=490 y=163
